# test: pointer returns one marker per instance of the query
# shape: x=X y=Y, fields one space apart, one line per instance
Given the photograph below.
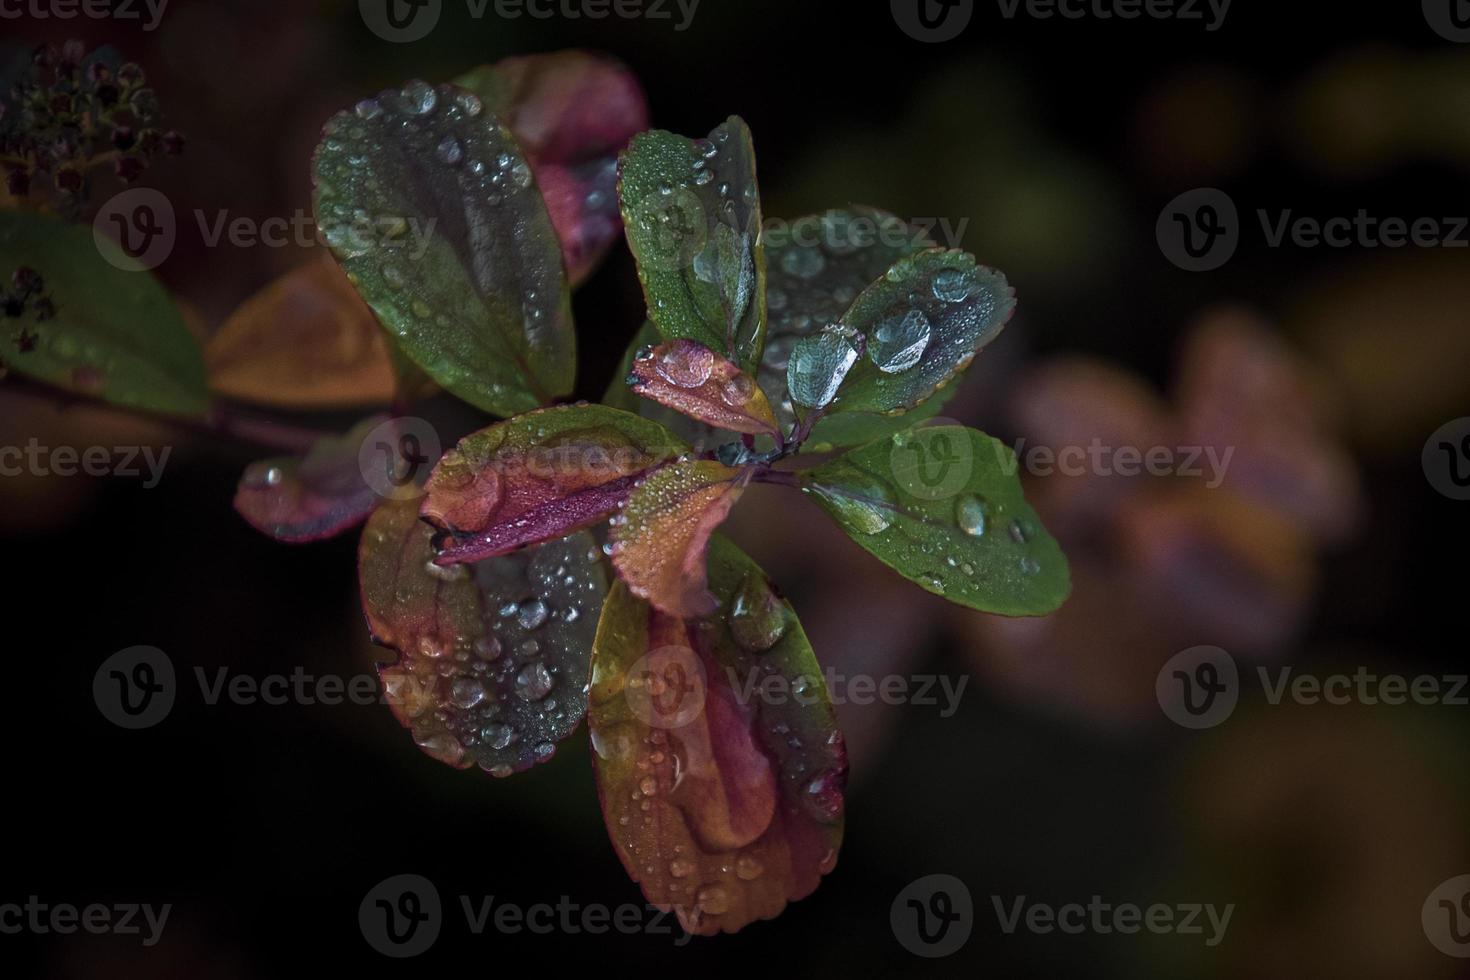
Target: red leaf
x=723 y=804
x=690 y=378
x=313 y=497
x=539 y=476
x=572 y=112
x=659 y=539
x=493 y=659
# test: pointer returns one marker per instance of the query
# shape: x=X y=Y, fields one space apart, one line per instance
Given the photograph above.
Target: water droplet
x=823 y=796
x=466 y=692
x=969 y=512
x=393 y=276
x=469 y=102
x=953 y=285
x=499 y=735
x=1030 y=565
x=532 y=614
x=818 y=366
x=1021 y=531
x=686 y=364
x=861 y=503
x=899 y=342
x=449 y=151
x=748 y=868
x=419 y=97
x=712 y=900
x=534 y=681
x=757 y=616
x=368 y=109
x=681 y=867
x=803 y=262
x=738 y=391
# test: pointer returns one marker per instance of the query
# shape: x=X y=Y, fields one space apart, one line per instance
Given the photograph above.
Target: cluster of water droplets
x=506 y=695
x=366 y=215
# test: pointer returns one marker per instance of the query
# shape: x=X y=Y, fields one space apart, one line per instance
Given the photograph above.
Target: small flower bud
x=123 y=138
x=173 y=142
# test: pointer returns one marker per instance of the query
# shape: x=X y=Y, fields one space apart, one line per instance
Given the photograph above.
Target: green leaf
x=431 y=208
x=924 y=322
x=493 y=658
x=817 y=265
x=692 y=213
x=719 y=763
x=942 y=506
x=842 y=430
x=116 y=335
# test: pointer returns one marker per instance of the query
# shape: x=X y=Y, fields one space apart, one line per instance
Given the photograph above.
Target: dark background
x=1060 y=141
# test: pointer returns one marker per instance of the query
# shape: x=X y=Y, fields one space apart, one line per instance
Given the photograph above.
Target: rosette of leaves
x=489 y=586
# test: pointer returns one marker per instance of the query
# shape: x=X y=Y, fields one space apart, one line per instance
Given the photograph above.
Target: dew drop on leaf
x=899 y=342
x=757 y=616
x=969 y=512
x=817 y=367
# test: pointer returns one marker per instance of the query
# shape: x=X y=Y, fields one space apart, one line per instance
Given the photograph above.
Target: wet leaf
x=659 y=539
x=319 y=495
x=923 y=321
x=700 y=437
x=540 y=475
x=116 y=334
x=429 y=205
x=699 y=383
x=942 y=506
x=572 y=113
x=692 y=213
x=816 y=266
x=306 y=341
x=723 y=802
x=492 y=664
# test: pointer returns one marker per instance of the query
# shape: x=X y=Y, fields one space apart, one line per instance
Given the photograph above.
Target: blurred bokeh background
x=1056 y=143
